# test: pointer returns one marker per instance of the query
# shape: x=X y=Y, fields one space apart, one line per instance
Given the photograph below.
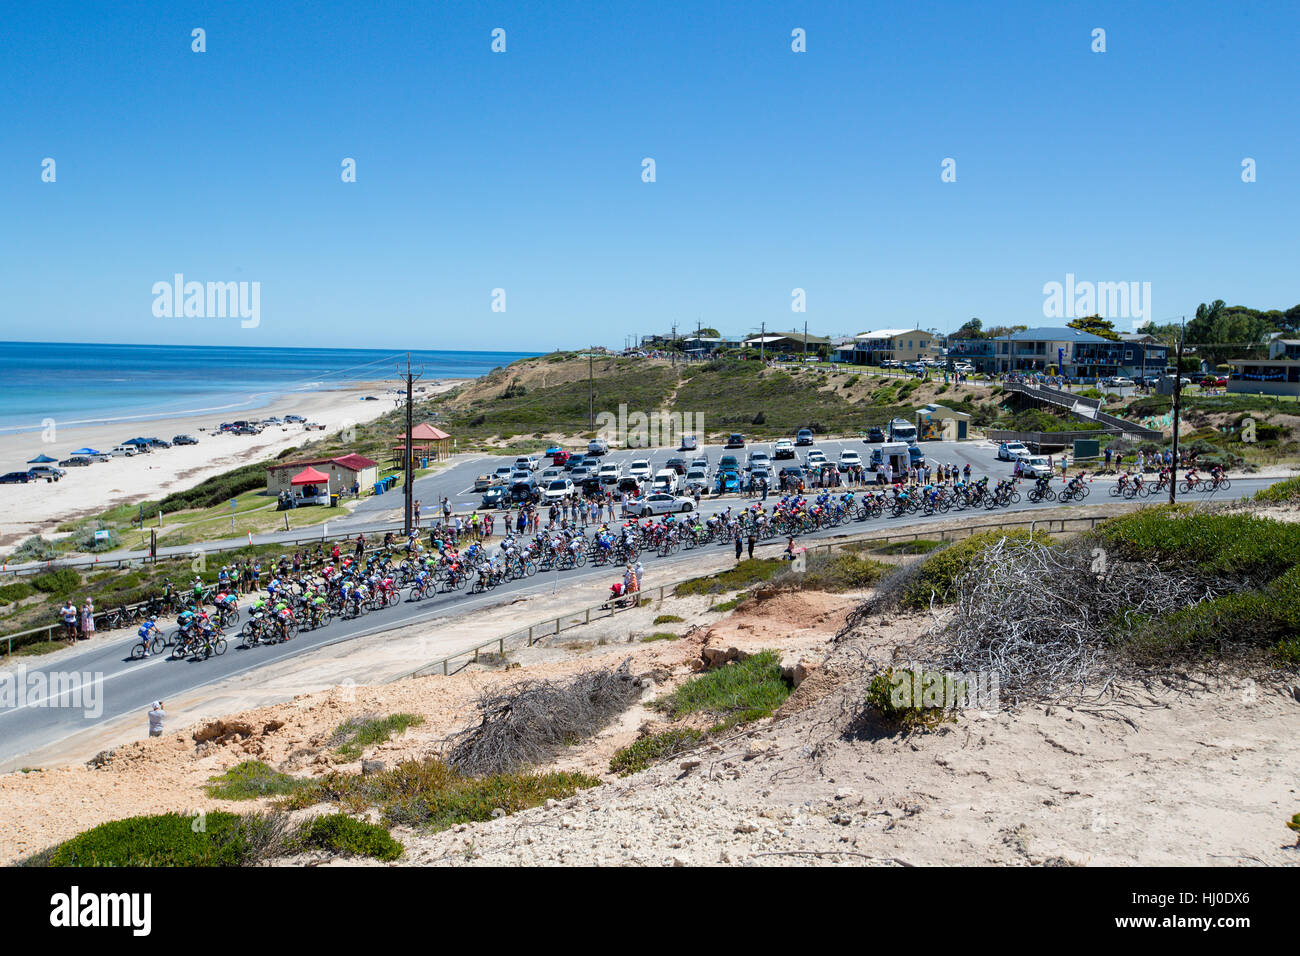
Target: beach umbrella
x=41 y=460
x=87 y=451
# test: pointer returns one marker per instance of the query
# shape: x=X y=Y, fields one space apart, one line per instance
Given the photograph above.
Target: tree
x=1097 y=326
x=709 y=333
x=1000 y=330
x=971 y=330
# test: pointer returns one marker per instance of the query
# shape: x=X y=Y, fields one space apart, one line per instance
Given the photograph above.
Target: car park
x=1011 y=450
x=185 y=440
x=784 y=448
x=804 y=437
x=735 y=440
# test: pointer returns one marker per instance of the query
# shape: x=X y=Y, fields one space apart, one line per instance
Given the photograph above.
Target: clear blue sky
x=523 y=170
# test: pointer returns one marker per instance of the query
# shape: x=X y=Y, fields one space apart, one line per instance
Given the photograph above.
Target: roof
x=426 y=432
x=309 y=476
x=1054 y=334
x=352 y=462
x=890 y=333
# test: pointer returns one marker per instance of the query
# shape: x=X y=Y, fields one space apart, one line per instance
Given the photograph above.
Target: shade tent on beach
x=87 y=451
x=42 y=460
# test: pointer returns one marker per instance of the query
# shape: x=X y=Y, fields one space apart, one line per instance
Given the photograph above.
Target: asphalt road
x=101 y=682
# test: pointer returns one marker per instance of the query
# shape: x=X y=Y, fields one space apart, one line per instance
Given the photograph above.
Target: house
x=1075 y=354
x=1279 y=374
x=977 y=353
x=787 y=343
x=707 y=344
x=1143 y=355
x=893 y=345
x=342 y=473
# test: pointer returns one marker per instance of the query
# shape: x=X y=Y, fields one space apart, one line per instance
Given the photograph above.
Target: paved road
x=101 y=682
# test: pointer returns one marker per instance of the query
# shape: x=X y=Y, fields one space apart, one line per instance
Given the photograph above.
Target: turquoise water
x=86 y=384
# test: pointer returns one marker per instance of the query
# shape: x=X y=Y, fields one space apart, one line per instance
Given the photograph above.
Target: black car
x=159 y=443
x=185 y=440
x=15 y=478
x=525 y=491
x=735 y=440
x=76 y=461
x=590 y=485
x=875 y=434
x=677 y=464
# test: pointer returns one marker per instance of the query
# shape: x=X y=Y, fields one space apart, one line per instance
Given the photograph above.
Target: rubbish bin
x=379 y=487
x=334 y=500
x=424 y=463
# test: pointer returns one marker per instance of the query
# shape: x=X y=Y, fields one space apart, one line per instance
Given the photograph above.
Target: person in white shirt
x=156 y=715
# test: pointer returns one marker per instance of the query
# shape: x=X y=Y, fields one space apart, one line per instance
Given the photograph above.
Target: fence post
x=530 y=635
x=444 y=667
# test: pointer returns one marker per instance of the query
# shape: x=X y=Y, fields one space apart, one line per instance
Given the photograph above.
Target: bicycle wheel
x=219 y=647
x=137 y=652
x=1225 y=484
x=156 y=645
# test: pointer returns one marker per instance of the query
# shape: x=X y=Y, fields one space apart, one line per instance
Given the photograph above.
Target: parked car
x=667 y=480
x=677 y=464
x=849 y=459
x=1036 y=466
x=482 y=482
x=526 y=463
x=125 y=451
x=495 y=497
x=503 y=473
x=558 y=488
x=915 y=454
x=728 y=462
x=580 y=474
x=814 y=458
x=629 y=485
x=697 y=478
x=784 y=448
x=609 y=474
x=15 y=478
x=757 y=459
x=875 y=434
x=314 y=426
x=76 y=461
x=1011 y=450
x=804 y=437
x=793 y=472
x=187 y=439
x=689 y=443
x=560 y=457
x=735 y=440
x=639 y=468
x=550 y=474
x=48 y=472
x=291 y=420
x=597 y=447
x=728 y=480
x=159 y=443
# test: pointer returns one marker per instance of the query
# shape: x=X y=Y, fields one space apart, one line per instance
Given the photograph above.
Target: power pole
x=591 y=391
x=762 y=335
x=672 y=346
x=805 y=340
x=1178 y=394
x=408 y=451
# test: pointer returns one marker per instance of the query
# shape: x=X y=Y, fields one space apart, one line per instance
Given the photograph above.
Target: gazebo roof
x=309 y=476
x=426 y=432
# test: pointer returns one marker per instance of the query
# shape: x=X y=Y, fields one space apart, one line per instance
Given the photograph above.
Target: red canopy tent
x=309 y=476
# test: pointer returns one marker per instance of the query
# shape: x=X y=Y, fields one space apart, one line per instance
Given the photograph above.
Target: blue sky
x=522 y=170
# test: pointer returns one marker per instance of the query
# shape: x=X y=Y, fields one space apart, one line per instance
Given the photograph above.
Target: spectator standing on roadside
x=156 y=717
x=88 y=619
x=416 y=513
x=751 y=547
x=739 y=546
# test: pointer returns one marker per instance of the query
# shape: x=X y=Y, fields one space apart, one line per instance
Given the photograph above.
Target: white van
x=124 y=450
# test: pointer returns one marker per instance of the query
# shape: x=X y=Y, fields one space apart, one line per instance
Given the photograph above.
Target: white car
x=1011 y=450
x=125 y=451
x=697 y=478
x=667 y=480
x=503 y=473
x=639 y=469
x=759 y=459
x=1036 y=466
x=550 y=474
x=784 y=448
x=849 y=459
x=558 y=488
x=814 y=457
x=526 y=464
x=659 y=503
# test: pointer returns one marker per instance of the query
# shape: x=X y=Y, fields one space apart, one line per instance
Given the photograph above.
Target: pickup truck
x=482 y=482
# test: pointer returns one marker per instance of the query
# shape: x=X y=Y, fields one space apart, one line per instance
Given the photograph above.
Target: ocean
x=77 y=384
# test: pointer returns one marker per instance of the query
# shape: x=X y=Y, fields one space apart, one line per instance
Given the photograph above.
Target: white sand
x=40 y=507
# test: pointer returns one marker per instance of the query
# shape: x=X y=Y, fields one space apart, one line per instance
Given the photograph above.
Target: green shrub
x=16 y=591
x=919 y=546
x=743 y=575
x=842 y=572
x=173 y=839
x=341 y=833
x=34 y=548
x=428 y=793
x=939 y=573
x=637 y=756
x=891 y=694
x=353 y=736
x=57 y=582
x=723 y=606
x=250 y=780
x=660 y=636
x=215 y=490
x=737 y=693
x=1287 y=490
x=667 y=619
x=1232 y=546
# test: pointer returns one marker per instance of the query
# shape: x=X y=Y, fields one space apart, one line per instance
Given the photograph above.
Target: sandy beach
x=40 y=507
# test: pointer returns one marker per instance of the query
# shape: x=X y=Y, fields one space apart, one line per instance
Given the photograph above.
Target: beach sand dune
x=40 y=507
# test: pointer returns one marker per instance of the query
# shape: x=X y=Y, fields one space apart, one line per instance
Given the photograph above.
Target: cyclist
x=148 y=631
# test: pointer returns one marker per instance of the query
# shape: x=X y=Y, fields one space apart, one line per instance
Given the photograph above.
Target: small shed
x=941 y=423
x=426 y=441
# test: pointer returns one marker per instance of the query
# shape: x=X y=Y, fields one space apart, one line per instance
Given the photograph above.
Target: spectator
x=156 y=717
x=69 y=613
x=751 y=547
x=739 y=547
x=88 y=619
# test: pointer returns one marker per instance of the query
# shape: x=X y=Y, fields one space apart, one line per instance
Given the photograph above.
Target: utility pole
x=1178 y=394
x=672 y=346
x=591 y=391
x=762 y=336
x=805 y=340
x=408 y=451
